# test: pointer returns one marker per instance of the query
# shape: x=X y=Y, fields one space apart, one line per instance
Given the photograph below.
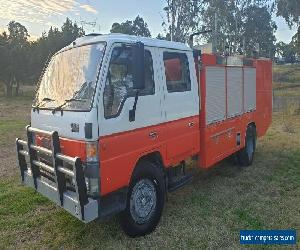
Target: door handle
x=191 y=124
x=153 y=134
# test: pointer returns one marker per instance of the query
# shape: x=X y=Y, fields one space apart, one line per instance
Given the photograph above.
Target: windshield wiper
x=45 y=99
x=59 y=108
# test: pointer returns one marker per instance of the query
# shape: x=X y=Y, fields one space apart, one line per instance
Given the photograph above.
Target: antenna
x=92 y=24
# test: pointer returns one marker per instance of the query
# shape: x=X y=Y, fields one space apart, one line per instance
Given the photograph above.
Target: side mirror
x=138 y=66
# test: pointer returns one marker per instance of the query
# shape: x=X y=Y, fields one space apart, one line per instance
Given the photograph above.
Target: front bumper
x=75 y=202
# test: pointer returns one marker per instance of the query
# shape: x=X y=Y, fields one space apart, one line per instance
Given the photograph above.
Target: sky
x=39 y=15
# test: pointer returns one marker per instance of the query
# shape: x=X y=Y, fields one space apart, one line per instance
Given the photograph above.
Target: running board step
x=174 y=185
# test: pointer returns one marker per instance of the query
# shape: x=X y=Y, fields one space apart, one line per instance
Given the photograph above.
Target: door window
x=177 y=72
x=119 y=81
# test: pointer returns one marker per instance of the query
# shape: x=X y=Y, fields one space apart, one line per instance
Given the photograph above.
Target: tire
x=145 y=200
x=245 y=156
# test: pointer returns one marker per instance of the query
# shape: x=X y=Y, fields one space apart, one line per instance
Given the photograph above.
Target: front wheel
x=145 y=200
x=245 y=156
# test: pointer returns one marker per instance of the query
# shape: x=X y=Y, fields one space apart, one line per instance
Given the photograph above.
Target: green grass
x=208 y=213
x=286 y=73
x=11 y=127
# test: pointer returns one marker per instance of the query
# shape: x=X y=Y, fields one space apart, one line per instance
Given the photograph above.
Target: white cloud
x=37 y=11
x=88 y=8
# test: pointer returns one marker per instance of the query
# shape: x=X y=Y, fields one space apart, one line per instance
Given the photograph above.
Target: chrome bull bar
x=77 y=203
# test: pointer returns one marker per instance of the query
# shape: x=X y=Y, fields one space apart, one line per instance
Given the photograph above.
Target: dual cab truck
x=116 y=116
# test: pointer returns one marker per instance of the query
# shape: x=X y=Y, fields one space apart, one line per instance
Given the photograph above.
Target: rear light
x=91 y=169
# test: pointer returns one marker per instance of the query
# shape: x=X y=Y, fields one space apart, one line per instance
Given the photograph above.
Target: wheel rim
x=143 y=201
x=250 y=146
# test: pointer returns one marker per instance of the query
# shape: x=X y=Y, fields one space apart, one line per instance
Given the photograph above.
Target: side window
x=119 y=81
x=177 y=72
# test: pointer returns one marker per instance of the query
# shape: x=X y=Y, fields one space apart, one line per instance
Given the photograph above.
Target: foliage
x=286 y=51
x=52 y=42
x=182 y=18
x=22 y=61
x=289 y=10
x=241 y=25
x=259 y=28
x=237 y=25
x=13 y=63
x=137 y=27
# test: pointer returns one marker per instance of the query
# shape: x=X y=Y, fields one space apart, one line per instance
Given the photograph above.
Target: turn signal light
x=92 y=151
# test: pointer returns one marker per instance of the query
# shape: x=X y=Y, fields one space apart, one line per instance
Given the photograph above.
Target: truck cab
x=109 y=103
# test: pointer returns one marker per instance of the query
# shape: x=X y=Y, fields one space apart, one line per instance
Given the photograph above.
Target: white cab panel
x=45 y=120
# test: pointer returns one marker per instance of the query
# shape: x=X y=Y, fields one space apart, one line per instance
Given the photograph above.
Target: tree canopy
x=235 y=24
x=182 y=18
x=137 y=27
x=289 y=10
x=22 y=61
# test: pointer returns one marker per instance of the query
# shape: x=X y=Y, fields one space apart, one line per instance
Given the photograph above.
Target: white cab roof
x=122 y=38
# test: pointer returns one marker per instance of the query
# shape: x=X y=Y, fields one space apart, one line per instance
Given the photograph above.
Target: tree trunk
x=9 y=90
x=17 y=89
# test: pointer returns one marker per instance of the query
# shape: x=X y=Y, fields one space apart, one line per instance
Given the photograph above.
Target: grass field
x=208 y=213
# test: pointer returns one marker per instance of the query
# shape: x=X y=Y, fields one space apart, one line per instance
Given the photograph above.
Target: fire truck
x=115 y=118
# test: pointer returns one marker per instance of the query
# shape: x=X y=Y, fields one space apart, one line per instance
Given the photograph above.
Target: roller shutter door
x=215 y=94
x=249 y=89
x=234 y=91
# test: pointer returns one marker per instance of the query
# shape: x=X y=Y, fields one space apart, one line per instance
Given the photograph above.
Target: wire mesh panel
x=215 y=94
x=249 y=89
x=234 y=91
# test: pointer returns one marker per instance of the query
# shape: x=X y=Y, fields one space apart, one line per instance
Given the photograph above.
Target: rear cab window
x=177 y=72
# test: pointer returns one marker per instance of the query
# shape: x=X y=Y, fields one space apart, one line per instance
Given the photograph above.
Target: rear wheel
x=245 y=156
x=145 y=200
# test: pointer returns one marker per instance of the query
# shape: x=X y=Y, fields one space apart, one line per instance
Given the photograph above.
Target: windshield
x=71 y=75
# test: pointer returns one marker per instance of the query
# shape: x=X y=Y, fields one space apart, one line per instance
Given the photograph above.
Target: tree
x=289 y=10
x=296 y=40
x=22 y=61
x=14 y=64
x=4 y=67
x=137 y=27
x=259 y=28
x=70 y=31
x=240 y=24
x=286 y=51
x=182 y=18
x=51 y=42
x=224 y=17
